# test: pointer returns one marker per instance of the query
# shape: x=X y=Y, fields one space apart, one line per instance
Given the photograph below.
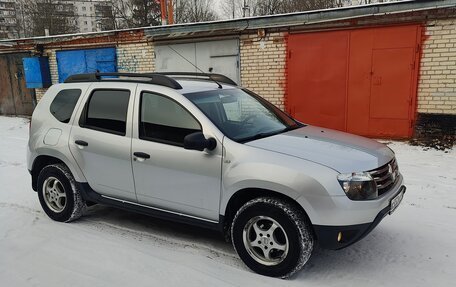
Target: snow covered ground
x=416 y=246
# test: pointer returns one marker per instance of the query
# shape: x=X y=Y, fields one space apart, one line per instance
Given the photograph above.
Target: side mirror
x=197 y=141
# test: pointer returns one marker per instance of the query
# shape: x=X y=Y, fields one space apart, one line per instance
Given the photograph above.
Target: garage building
x=383 y=70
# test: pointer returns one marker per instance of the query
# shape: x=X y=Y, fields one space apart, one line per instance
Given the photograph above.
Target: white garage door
x=221 y=57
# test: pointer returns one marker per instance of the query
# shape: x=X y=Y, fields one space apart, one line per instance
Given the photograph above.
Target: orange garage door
x=361 y=81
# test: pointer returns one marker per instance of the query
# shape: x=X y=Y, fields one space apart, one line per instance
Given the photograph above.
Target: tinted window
x=107 y=111
x=164 y=120
x=63 y=104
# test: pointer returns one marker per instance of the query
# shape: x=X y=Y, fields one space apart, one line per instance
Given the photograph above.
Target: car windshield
x=241 y=115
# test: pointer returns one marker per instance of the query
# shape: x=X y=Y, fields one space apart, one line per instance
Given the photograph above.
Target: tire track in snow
x=169 y=241
x=21 y=207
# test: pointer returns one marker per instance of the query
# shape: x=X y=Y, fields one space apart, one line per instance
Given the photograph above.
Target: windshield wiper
x=267 y=134
x=290 y=128
x=258 y=136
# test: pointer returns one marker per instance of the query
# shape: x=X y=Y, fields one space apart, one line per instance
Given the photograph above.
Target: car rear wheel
x=58 y=193
x=272 y=237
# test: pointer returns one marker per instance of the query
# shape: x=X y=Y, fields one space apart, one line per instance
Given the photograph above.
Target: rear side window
x=106 y=111
x=164 y=120
x=62 y=106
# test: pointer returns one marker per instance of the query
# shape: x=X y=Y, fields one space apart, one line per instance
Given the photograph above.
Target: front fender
x=246 y=167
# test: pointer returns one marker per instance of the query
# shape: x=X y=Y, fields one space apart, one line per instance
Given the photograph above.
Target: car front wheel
x=272 y=237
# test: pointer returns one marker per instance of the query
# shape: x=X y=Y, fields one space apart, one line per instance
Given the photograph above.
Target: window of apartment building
x=83 y=8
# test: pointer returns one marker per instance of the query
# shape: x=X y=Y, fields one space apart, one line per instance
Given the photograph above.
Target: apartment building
x=8 y=19
x=93 y=15
x=87 y=15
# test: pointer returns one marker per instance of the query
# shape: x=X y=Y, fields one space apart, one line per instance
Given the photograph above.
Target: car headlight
x=358 y=185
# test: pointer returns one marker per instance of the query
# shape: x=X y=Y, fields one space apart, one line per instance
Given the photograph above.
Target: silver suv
x=197 y=149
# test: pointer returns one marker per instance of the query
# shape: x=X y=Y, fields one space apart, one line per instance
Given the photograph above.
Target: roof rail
x=150 y=78
x=215 y=77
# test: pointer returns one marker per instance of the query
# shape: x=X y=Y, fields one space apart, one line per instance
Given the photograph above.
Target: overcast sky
x=218 y=9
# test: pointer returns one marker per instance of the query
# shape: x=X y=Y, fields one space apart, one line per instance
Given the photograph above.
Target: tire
x=285 y=236
x=58 y=193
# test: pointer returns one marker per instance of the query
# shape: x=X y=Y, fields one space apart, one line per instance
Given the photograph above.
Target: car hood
x=340 y=151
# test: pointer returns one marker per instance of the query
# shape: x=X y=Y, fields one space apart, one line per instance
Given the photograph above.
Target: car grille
x=385 y=176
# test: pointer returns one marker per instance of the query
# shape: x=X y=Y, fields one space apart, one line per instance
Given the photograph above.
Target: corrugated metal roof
x=273 y=21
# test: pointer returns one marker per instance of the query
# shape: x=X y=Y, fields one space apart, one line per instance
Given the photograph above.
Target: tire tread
x=79 y=205
x=296 y=216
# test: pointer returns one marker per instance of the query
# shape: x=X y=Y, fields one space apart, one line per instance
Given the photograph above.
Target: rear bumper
x=327 y=236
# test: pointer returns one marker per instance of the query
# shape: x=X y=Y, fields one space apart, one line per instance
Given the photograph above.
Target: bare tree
x=3 y=34
x=136 y=13
x=270 y=7
x=105 y=17
x=189 y=11
x=181 y=8
x=239 y=8
x=297 y=6
x=57 y=16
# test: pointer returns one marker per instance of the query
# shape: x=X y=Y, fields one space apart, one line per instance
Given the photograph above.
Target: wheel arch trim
x=44 y=159
x=242 y=196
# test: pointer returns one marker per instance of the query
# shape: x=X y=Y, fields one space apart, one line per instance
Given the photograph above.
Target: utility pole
x=163 y=12
x=245 y=8
x=170 y=12
x=167 y=12
x=196 y=11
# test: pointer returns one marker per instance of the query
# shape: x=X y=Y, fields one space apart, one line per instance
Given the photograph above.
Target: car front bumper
x=338 y=237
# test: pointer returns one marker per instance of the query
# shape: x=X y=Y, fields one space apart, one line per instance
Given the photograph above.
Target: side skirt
x=91 y=195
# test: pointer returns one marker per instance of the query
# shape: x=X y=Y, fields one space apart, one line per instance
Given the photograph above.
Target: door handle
x=81 y=143
x=141 y=155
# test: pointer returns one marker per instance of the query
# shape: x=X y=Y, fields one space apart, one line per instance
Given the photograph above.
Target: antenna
x=206 y=74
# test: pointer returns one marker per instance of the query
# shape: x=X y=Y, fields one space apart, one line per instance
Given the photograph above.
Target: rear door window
x=62 y=106
x=106 y=111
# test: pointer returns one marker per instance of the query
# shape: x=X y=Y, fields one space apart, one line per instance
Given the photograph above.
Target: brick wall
x=263 y=65
x=437 y=82
x=135 y=57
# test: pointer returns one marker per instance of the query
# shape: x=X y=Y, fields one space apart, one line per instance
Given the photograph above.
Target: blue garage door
x=85 y=61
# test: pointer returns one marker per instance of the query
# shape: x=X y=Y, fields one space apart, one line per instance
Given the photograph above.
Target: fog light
x=339 y=237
